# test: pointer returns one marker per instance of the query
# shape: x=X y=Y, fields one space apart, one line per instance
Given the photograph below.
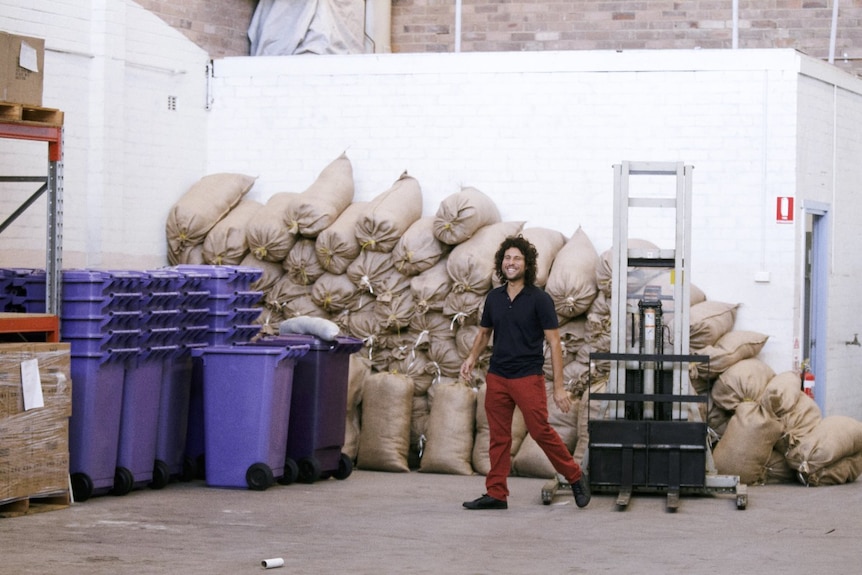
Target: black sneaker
x=486 y=502
x=581 y=490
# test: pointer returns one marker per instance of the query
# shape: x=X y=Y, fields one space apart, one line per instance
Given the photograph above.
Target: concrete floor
x=410 y=523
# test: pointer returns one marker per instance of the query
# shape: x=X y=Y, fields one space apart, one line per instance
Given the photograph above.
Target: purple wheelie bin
x=318 y=407
x=246 y=401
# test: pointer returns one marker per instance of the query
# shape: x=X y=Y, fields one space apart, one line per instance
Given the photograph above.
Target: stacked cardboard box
x=34 y=453
x=22 y=61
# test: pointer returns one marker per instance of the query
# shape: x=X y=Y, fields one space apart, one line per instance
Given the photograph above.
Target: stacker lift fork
x=649 y=434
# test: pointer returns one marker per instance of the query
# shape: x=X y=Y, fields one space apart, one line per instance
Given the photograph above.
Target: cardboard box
x=34 y=457
x=22 y=69
x=54 y=362
x=34 y=451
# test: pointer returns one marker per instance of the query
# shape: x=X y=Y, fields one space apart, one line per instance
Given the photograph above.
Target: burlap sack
x=388 y=216
x=462 y=214
x=391 y=285
x=731 y=348
x=746 y=445
x=745 y=380
x=471 y=263
x=301 y=264
x=200 y=208
x=427 y=327
x=399 y=344
x=384 y=436
x=709 y=321
x=777 y=468
x=337 y=246
x=449 y=433
x=430 y=287
x=530 y=460
x=835 y=438
x=845 y=470
x=598 y=317
x=369 y=270
x=225 y=243
x=363 y=324
x=394 y=314
x=319 y=206
x=588 y=410
x=576 y=376
x=480 y=458
x=443 y=356
x=464 y=308
x=465 y=336
x=334 y=292
x=572 y=280
x=417 y=250
x=284 y=290
x=798 y=413
x=717 y=419
x=548 y=365
x=414 y=366
x=271 y=272
x=193 y=255
x=572 y=335
x=302 y=306
x=359 y=369
x=267 y=236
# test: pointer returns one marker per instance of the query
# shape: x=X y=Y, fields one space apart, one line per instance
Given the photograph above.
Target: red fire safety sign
x=784 y=209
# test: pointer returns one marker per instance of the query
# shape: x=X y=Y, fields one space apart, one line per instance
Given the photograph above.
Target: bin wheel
x=259 y=476
x=291 y=472
x=309 y=470
x=124 y=481
x=345 y=467
x=82 y=486
x=189 y=469
x=161 y=475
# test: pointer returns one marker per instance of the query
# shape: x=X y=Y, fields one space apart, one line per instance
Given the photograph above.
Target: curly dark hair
x=531 y=257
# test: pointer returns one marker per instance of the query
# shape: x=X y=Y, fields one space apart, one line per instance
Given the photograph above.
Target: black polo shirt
x=519 y=330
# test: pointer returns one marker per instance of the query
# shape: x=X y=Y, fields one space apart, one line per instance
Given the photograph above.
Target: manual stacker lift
x=650 y=434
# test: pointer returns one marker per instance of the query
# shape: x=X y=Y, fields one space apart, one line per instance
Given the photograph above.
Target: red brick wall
x=520 y=25
x=218 y=26
x=221 y=26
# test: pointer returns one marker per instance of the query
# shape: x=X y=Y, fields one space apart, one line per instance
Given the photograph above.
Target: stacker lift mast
x=650 y=434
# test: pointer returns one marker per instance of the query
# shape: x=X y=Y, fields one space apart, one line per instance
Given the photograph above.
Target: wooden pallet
x=36 y=504
x=11 y=112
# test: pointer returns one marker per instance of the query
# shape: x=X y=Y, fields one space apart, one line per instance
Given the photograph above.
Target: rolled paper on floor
x=272 y=563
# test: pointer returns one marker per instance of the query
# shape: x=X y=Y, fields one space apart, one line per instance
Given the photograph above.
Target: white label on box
x=28 y=58
x=31 y=384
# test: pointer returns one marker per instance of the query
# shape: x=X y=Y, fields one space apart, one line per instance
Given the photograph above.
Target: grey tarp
x=287 y=27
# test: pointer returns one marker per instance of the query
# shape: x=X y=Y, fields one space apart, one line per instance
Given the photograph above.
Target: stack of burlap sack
x=412 y=286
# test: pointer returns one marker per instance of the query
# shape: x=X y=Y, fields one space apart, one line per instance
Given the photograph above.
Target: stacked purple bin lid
x=100 y=313
x=232 y=305
x=23 y=290
x=101 y=319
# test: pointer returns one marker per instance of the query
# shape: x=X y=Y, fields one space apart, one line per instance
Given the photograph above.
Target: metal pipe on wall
x=735 y=38
x=834 y=32
x=457 y=25
x=378 y=24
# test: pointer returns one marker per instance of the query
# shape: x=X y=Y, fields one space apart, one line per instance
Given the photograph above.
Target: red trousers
x=528 y=393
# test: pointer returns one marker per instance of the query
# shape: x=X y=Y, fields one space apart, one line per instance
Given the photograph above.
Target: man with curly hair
x=521 y=317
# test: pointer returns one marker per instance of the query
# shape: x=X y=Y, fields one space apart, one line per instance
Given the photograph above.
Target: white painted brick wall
x=831 y=172
x=110 y=66
x=542 y=143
